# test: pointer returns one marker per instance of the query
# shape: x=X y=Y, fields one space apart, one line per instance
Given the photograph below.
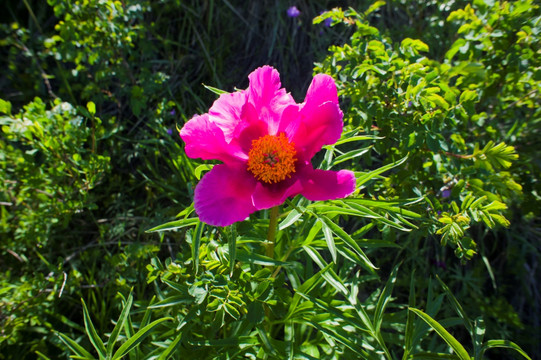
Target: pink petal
x=269 y=100
x=321 y=90
x=205 y=140
x=318 y=126
x=266 y=196
x=224 y=196
x=226 y=112
x=319 y=185
x=290 y=122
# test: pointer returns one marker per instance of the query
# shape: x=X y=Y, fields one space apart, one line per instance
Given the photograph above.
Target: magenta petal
x=290 y=121
x=266 y=196
x=224 y=196
x=318 y=126
x=321 y=90
x=319 y=185
x=267 y=97
x=205 y=140
x=226 y=112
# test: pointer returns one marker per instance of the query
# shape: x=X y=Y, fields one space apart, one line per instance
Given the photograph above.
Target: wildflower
x=170 y=131
x=293 y=12
x=265 y=141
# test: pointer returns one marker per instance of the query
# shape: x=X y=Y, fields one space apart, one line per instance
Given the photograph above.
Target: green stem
x=272 y=231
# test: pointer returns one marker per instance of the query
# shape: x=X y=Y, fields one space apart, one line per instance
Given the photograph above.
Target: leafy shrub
x=439 y=100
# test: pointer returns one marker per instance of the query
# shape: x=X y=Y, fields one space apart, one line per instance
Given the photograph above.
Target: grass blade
x=444 y=334
x=504 y=344
x=362 y=179
x=196 y=242
x=137 y=338
x=173 y=225
x=119 y=325
x=384 y=298
x=92 y=334
x=366 y=263
x=74 y=347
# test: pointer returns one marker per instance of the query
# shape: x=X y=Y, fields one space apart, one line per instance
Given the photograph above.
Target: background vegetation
x=442 y=113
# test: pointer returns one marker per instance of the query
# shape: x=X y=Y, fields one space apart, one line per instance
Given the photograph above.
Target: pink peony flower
x=265 y=141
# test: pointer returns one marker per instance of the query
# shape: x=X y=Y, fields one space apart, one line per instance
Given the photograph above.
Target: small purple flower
x=170 y=130
x=293 y=12
x=327 y=22
x=446 y=193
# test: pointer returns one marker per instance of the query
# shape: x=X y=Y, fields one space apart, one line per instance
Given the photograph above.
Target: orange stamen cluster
x=272 y=158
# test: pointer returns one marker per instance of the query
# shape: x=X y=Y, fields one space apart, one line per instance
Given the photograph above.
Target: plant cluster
x=434 y=255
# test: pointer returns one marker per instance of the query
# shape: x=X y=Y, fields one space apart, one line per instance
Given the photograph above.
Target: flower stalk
x=271 y=234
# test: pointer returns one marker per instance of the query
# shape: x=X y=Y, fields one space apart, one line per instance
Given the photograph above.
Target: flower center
x=272 y=158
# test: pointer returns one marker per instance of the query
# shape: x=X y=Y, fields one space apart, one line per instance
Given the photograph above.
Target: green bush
x=441 y=105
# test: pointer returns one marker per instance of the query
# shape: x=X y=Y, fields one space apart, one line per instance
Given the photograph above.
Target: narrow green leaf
x=92 y=334
x=290 y=219
x=408 y=336
x=119 y=325
x=384 y=298
x=339 y=336
x=254 y=258
x=330 y=309
x=172 y=347
x=478 y=335
x=232 y=246
x=196 y=242
x=350 y=155
x=329 y=238
x=361 y=179
x=265 y=340
x=366 y=212
x=456 y=306
x=173 y=225
x=215 y=90
x=305 y=288
x=503 y=344
x=172 y=301
x=434 y=356
x=393 y=206
x=356 y=138
x=367 y=264
x=444 y=334
x=137 y=338
x=74 y=347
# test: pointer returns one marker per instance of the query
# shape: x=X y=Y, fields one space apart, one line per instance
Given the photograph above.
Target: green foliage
x=432 y=112
x=49 y=166
x=441 y=104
